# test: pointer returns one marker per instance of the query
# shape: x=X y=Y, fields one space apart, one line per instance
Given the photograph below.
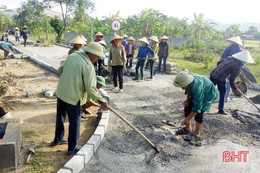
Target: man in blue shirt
x=235 y=44
x=142 y=55
x=124 y=43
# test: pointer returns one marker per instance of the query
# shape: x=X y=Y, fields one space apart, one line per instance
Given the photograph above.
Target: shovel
x=250 y=101
x=152 y=153
x=32 y=151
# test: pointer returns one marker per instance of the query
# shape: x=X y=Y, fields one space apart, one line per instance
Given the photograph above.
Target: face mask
x=243 y=62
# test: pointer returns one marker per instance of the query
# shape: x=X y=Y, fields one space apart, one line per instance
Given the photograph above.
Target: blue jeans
x=74 y=123
x=222 y=91
x=227 y=91
x=160 y=63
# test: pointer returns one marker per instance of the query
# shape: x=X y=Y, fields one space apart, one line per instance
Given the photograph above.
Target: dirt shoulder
x=37 y=114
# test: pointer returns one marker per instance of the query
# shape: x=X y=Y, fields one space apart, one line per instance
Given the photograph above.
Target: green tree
x=233 y=31
x=57 y=24
x=31 y=15
x=69 y=6
x=5 y=21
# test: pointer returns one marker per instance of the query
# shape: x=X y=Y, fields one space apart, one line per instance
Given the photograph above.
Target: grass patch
x=39 y=164
x=30 y=134
x=51 y=37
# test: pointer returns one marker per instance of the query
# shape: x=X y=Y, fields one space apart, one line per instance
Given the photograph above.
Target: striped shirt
x=228 y=66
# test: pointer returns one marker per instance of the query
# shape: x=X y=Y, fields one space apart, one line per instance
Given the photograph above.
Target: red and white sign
x=116 y=25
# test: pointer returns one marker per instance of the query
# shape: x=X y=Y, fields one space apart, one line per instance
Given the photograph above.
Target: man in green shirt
x=201 y=93
x=77 y=78
x=5 y=46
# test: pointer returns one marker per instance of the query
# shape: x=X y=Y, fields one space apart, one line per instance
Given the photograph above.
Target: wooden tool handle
x=250 y=101
x=133 y=127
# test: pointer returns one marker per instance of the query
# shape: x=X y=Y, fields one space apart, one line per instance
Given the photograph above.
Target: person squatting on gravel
x=142 y=55
x=201 y=93
x=117 y=60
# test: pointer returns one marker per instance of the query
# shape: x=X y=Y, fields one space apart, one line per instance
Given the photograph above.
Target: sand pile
x=43 y=44
x=256 y=99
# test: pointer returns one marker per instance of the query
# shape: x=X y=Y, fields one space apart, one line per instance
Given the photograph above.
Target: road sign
x=116 y=25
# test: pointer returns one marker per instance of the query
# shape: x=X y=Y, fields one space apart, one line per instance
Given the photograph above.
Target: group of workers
x=201 y=91
x=79 y=83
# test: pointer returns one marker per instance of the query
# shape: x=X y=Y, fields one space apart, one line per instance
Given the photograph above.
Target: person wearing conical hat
x=235 y=46
x=117 y=61
x=130 y=51
x=228 y=67
x=77 y=79
x=99 y=36
x=100 y=62
x=100 y=83
x=124 y=43
x=77 y=43
x=25 y=34
x=201 y=93
x=5 y=36
x=155 y=46
x=142 y=55
x=163 y=53
x=17 y=34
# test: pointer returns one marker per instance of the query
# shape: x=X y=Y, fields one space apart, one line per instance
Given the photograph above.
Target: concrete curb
x=62 y=45
x=36 y=61
x=77 y=162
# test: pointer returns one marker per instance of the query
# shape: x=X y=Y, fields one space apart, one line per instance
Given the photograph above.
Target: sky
x=221 y=11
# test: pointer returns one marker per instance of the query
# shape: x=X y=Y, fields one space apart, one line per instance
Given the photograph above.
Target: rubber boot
x=136 y=77
x=142 y=78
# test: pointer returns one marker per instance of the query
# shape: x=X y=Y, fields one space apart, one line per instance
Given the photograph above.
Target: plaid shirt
x=228 y=66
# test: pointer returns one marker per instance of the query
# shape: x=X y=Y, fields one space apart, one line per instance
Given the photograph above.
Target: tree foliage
x=5 y=21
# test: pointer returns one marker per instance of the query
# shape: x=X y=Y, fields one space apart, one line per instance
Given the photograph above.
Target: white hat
x=95 y=48
x=244 y=56
x=83 y=38
x=77 y=40
x=99 y=34
x=7 y=116
x=117 y=37
x=164 y=38
x=143 y=40
x=102 y=42
x=236 y=40
x=124 y=35
x=131 y=39
x=154 y=38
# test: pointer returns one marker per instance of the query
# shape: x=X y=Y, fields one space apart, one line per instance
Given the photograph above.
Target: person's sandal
x=182 y=131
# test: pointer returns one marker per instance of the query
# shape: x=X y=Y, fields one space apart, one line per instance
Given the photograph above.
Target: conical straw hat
x=131 y=39
x=16 y=28
x=143 y=40
x=117 y=37
x=77 y=40
x=244 y=56
x=154 y=38
x=99 y=34
x=102 y=42
x=83 y=38
x=124 y=35
x=164 y=38
x=236 y=40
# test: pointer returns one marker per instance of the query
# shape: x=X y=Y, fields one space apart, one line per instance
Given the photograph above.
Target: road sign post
x=116 y=25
